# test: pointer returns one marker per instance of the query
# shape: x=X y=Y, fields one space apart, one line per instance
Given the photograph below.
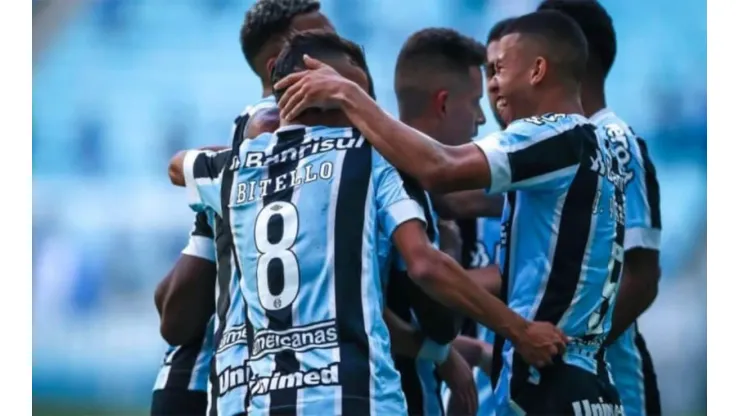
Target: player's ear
x=538 y=70
x=440 y=102
x=270 y=65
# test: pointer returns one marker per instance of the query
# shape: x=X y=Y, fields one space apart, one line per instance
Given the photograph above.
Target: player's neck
x=331 y=118
x=593 y=98
x=421 y=124
x=558 y=101
x=266 y=90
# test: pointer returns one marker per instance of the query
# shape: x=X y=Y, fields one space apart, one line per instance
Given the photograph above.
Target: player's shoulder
x=612 y=125
x=539 y=127
x=262 y=104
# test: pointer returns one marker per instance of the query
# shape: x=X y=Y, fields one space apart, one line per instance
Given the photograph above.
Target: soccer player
x=438 y=85
x=185 y=297
x=628 y=357
x=307 y=206
x=564 y=216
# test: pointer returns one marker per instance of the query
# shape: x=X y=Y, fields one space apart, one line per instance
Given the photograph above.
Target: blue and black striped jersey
x=307 y=207
x=562 y=236
x=643 y=229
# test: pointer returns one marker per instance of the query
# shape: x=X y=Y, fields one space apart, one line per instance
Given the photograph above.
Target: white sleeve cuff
x=498 y=164
x=201 y=247
x=190 y=184
x=642 y=238
x=402 y=211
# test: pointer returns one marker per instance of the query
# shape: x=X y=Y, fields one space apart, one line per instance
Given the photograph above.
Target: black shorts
x=566 y=390
x=176 y=402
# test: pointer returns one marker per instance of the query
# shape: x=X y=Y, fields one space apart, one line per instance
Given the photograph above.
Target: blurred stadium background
x=120 y=85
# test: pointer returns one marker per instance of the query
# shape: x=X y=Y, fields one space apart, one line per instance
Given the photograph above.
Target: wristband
x=430 y=350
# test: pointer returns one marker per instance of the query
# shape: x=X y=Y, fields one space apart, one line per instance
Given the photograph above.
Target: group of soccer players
x=345 y=262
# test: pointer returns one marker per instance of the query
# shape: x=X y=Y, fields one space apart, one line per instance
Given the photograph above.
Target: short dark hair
x=596 y=25
x=434 y=51
x=319 y=45
x=267 y=19
x=497 y=30
x=565 y=45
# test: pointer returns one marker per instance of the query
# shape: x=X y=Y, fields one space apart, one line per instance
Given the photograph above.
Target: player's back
x=307 y=207
x=629 y=360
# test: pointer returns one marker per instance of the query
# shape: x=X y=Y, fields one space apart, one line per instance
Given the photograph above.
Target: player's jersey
x=483 y=253
x=186 y=367
x=306 y=207
x=562 y=236
x=643 y=227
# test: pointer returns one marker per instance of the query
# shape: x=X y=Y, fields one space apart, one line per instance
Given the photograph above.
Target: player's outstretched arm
x=468 y=204
x=441 y=277
x=438 y=168
x=637 y=290
x=176 y=168
x=487 y=277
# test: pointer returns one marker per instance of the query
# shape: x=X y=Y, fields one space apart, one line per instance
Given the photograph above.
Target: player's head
x=268 y=23
x=598 y=28
x=541 y=57
x=492 y=42
x=438 y=84
x=345 y=56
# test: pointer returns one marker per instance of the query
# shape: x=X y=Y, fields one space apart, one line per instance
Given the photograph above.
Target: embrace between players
x=316 y=281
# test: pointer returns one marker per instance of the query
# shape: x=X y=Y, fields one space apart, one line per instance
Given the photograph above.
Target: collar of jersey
x=597 y=116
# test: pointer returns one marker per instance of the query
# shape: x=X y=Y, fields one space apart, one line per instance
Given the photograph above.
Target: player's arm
x=179 y=164
x=404 y=221
x=639 y=286
x=488 y=278
x=476 y=352
x=201 y=172
x=439 y=168
x=185 y=297
x=468 y=204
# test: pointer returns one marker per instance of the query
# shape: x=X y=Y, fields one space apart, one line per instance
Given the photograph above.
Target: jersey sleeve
x=203 y=171
x=643 y=219
x=533 y=154
x=394 y=204
x=200 y=243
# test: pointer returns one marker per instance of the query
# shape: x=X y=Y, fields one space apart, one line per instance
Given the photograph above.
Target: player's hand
x=319 y=86
x=459 y=378
x=540 y=342
x=450 y=240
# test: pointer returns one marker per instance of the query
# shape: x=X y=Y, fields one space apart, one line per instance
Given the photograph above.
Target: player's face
x=491 y=53
x=509 y=88
x=464 y=113
x=311 y=21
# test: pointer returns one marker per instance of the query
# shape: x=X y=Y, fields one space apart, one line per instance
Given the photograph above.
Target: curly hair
x=268 y=19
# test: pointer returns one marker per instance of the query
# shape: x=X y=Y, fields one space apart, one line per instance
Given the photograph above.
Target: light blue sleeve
x=394 y=204
x=203 y=171
x=536 y=153
x=639 y=229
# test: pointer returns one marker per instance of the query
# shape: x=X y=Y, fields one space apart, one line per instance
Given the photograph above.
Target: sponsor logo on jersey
x=586 y=408
x=311 y=145
x=232 y=378
x=298 y=339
